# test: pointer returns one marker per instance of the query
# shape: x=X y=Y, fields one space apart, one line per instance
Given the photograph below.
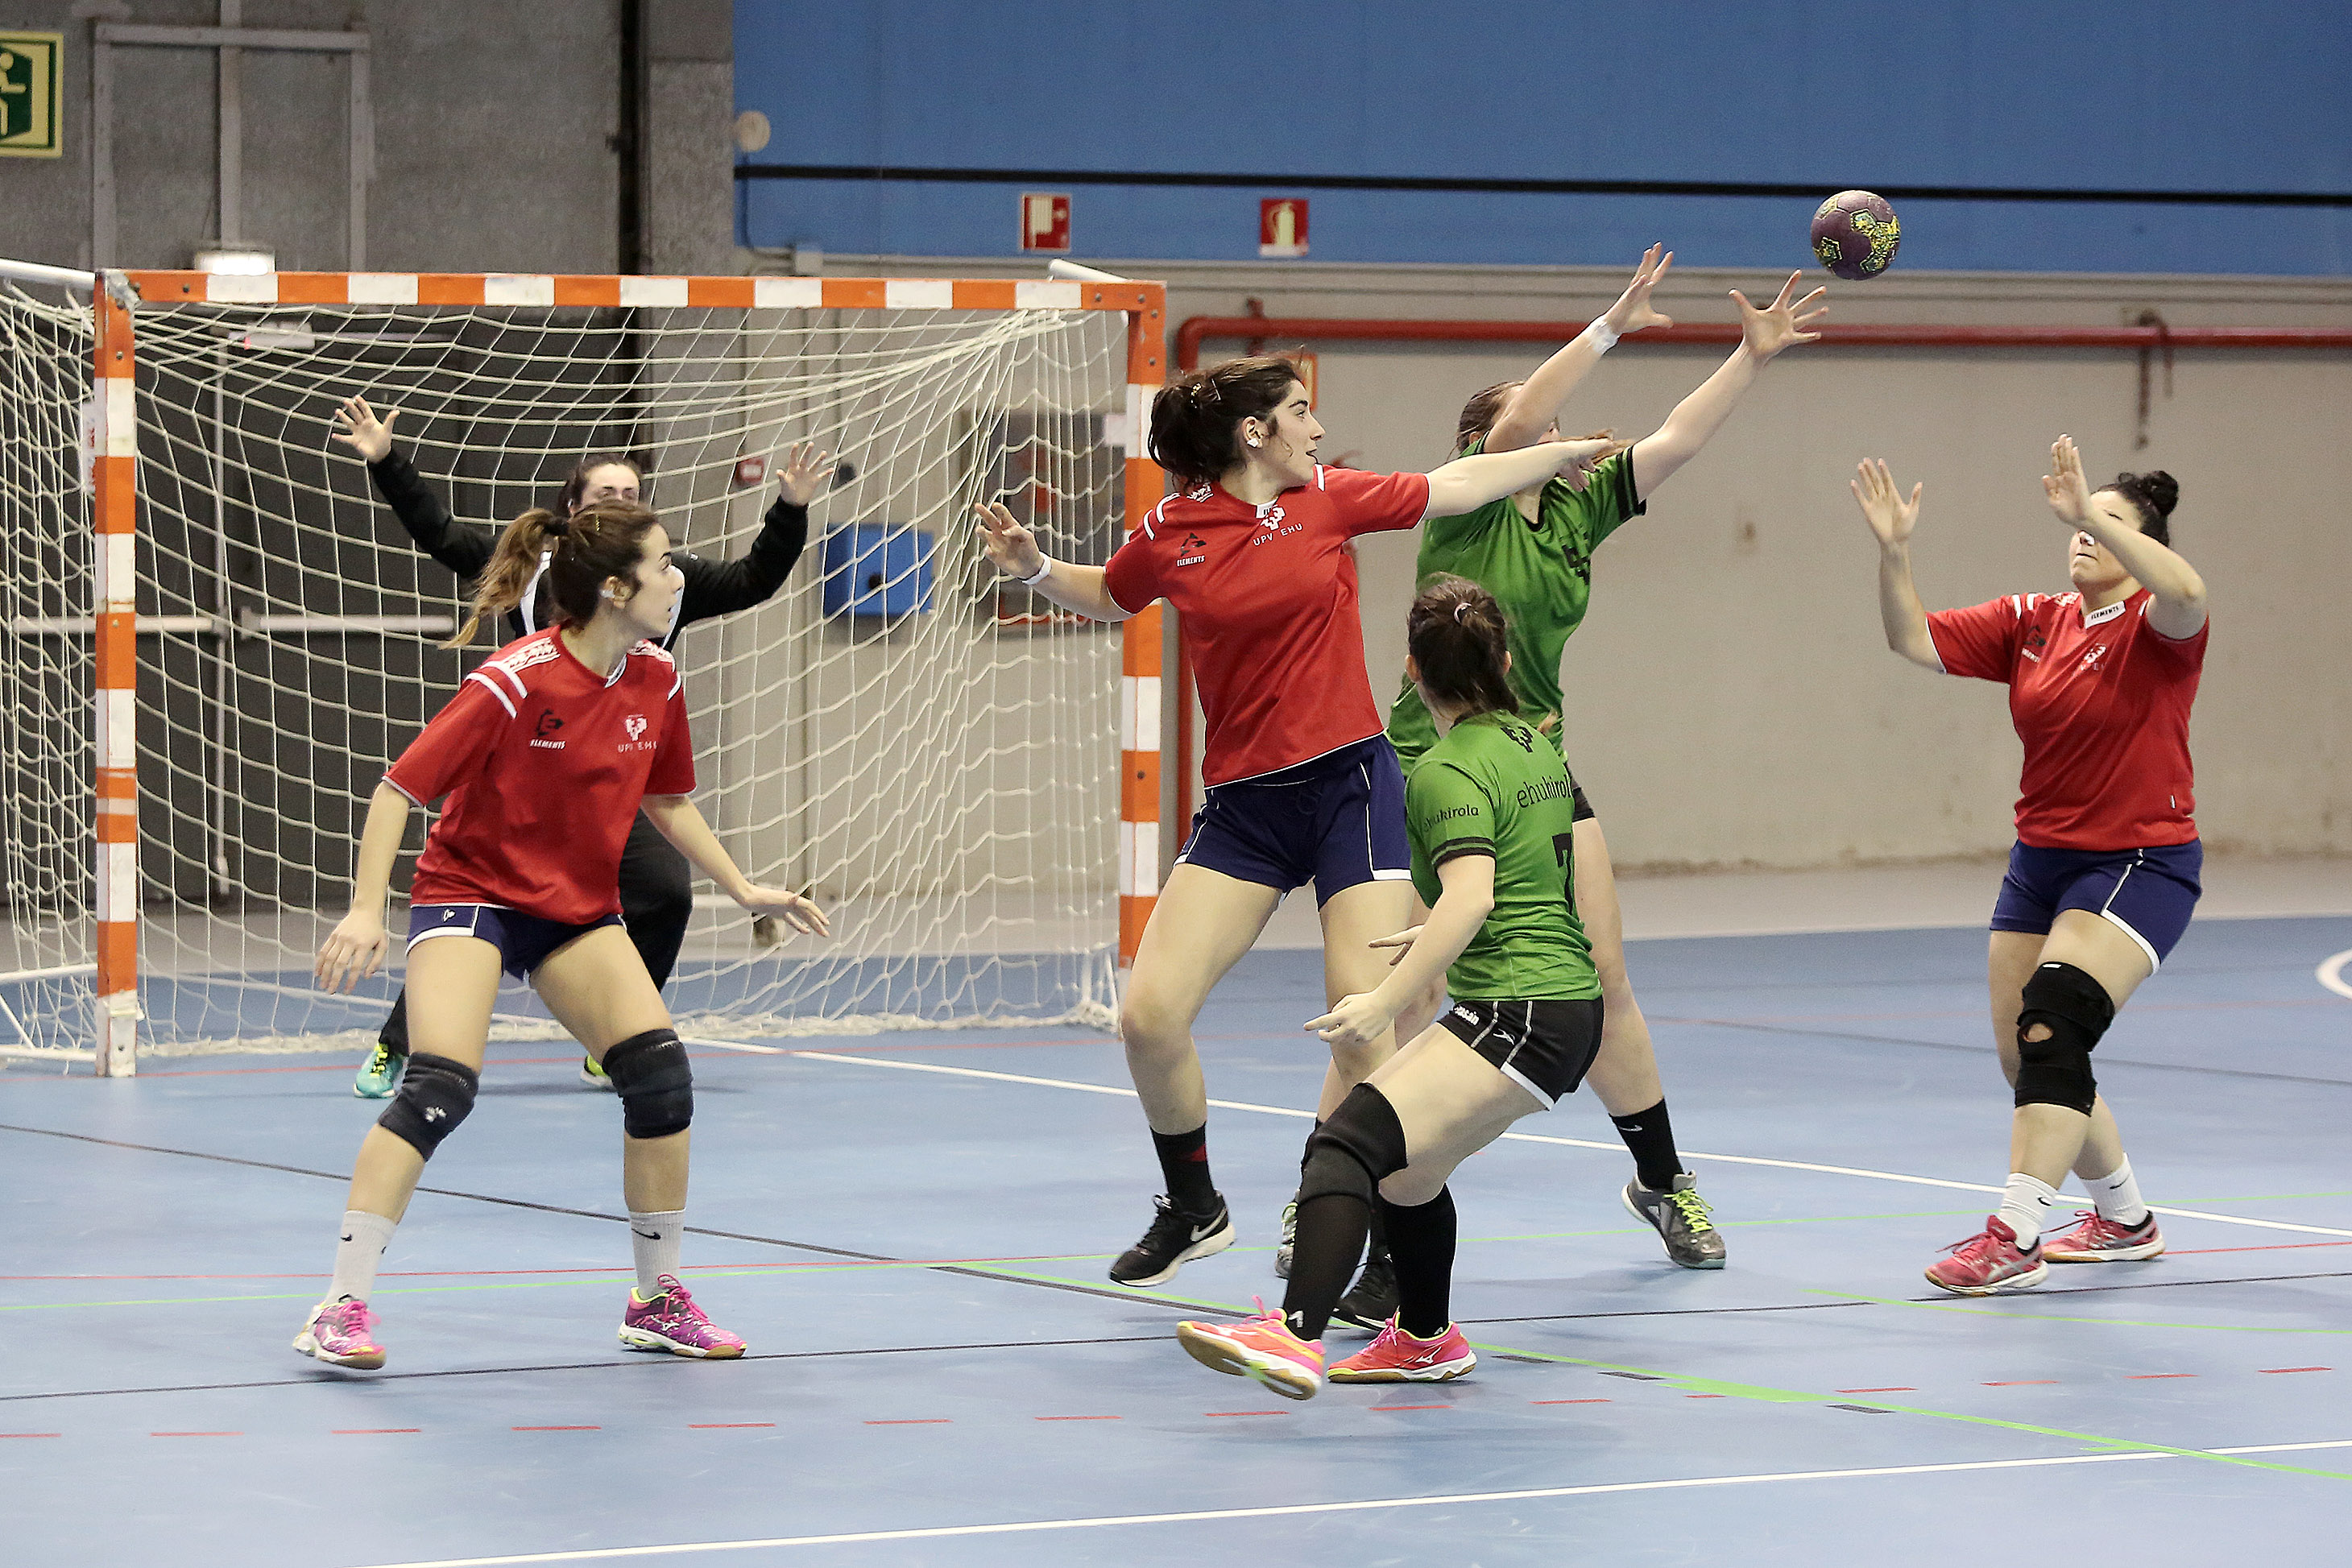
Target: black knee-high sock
x=1420 y=1241
x=1651 y=1137
x=1331 y=1238
x=1185 y=1165
x=1376 y=1235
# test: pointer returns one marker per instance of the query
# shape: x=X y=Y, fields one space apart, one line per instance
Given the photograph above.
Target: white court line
x=1454 y=1500
x=2331 y=973
x=1534 y=1137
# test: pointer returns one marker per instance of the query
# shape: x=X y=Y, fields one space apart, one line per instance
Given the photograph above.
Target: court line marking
x=1539 y=1138
x=1293 y=1509
x=2331 y=973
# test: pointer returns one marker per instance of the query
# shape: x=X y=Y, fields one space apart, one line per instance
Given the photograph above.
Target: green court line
x=2056 y=1317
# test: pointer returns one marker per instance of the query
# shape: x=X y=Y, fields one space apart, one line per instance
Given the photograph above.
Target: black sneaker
x=1372 y=1300
x=1682 y=1220
x=1174 y=1240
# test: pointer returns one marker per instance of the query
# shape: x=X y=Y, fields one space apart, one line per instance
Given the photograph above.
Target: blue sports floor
x=911 y=1231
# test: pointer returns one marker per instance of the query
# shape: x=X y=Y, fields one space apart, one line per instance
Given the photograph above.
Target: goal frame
x=116 y=297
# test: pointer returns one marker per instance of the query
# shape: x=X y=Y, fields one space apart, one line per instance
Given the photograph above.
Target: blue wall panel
x=2164 y=97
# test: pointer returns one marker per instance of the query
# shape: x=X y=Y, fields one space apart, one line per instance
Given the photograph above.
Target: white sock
x=2117 y=1195
x=654 y=1241
x=360 y=1248
x=2024 y=1203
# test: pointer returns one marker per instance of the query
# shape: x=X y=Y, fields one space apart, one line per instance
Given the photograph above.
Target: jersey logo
x=1199 y=493
x=2034 y=640
x=634 y=724
x=1271 y=518
x=1192 y=551
x=2091 y=660
x=548 y=724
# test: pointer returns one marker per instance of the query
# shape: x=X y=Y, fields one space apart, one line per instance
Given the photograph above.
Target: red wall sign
x=1281 y=227
x=1044 y=221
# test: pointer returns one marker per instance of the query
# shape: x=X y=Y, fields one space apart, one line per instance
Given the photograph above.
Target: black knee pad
x=1349 y=1154
x=435 y=1095
x=2077 y=1010
x=655 y=1083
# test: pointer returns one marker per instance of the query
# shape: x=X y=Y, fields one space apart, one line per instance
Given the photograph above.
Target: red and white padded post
x=1139 y=637
x=114 y=470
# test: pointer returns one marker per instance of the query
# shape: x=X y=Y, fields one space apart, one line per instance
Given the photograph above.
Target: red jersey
x=2102 y=703
x=1268 y=597
x=545 y=762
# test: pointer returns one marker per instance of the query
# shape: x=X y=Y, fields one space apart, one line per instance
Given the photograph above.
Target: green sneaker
x=379 y=1073
x=592 y=1076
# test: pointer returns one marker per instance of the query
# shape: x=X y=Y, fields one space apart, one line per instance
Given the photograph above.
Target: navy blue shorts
x=2148 y=894
x=523 y=941
x=1335 y=822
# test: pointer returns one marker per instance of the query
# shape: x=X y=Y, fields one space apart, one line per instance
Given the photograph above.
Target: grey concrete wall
x=494 y=122
x=1730 y=700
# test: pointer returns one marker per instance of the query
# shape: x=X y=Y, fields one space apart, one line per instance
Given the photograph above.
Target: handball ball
x=1855 y=234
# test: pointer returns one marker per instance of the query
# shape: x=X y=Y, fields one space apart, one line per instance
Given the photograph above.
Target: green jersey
x=1539 y=572
x=1492 y=786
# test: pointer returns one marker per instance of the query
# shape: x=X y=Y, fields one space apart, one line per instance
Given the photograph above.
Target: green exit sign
x=32 y=79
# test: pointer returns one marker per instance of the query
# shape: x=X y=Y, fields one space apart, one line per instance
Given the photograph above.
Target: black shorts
x=523 y=941
x=1544 y=1046
x=1336 y=821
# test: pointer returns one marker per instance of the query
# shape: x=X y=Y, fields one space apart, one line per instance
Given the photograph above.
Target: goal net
x=933 y=755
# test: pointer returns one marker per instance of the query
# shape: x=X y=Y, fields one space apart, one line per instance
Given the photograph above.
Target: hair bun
x=2163 y=491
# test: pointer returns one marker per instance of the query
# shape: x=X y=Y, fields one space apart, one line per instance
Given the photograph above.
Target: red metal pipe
x=1196 y=329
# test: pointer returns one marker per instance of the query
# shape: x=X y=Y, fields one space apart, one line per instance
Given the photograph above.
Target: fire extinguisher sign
x=1281 y=227
x=1044 y=221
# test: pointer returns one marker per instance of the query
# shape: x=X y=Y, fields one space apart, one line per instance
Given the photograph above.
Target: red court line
x=2152 y=1376
x=1077 y=1418
x=1704 y=1396
x=555 y=1428
x=1567 y=1402
x=31 y=1434
x=2271 y=1369
x=2275 y=1246
x=1247 y=1412
x=1384 y=1408
x=372 y=1431
x=727 y=1426
x=928 y=1421
x=1897 y=1388
x=2022 y=1383
x=195 y=1434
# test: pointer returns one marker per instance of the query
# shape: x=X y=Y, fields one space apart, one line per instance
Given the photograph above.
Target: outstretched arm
x=677 y=820
x=723 y=587
x=1891 y=518
x=1013 y=551
x=1535 y=407
x=1430 y=948
x=464 y=548
x=1468 y=484
x=2180 y=607
x=1764 y=335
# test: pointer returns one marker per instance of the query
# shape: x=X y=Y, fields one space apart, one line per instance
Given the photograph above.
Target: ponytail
x=1458 y=639
x=582 y=552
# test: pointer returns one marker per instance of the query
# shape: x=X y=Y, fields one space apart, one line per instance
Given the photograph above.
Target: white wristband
x=1043 y=573
x=1604 y=336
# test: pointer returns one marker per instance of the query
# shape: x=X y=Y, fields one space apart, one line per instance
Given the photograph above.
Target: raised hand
x=370 y=436
x=2069 y=492
x=1402 y=942
x=1780 y=325
x=806 y=473
x=1011 y=549
x=1633 y=312
x=1890 y=516
x=1580 y=458
x=351 y=952
x=800 y=913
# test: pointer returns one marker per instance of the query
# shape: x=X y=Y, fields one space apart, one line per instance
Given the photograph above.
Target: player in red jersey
x=545 y=754
x=2105 y=873
x=1303 y=785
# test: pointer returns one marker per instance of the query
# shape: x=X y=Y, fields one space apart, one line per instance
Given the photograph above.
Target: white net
x=931 y=755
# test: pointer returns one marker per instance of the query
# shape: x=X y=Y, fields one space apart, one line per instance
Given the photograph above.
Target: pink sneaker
x=671 y=1322
x=1988 y=1263
x=336 y=1333
x=2101 y=1240
x=1397 y=1356
x=1262 y=1347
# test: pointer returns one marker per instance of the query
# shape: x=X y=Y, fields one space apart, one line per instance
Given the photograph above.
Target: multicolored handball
x=1855 y=234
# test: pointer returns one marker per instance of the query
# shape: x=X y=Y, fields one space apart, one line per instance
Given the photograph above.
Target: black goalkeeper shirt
x=712 y=587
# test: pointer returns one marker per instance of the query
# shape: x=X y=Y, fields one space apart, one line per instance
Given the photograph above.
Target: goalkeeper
x=656 y=885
